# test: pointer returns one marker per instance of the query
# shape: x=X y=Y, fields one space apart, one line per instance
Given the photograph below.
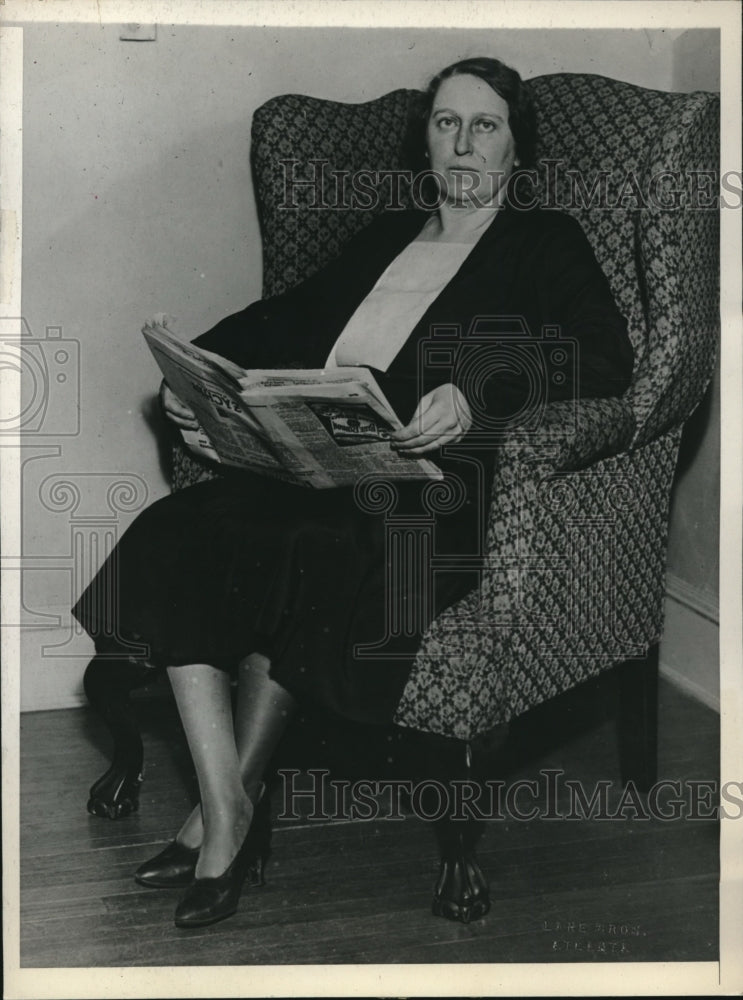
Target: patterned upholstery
x=319 y=136
x=298 y=241
x=578 y=523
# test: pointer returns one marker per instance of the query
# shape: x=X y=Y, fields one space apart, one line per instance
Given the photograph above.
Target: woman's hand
x=175 y=410
x=442 y=416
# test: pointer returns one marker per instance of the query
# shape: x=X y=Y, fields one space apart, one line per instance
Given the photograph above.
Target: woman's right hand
x=176 y=410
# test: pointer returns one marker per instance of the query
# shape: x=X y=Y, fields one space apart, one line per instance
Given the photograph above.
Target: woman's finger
x=422 y=449
x=186 y=424
x=441 y=430
x=450 y=437
x=174 y=405
x=181 y=411
x=444 y=408
x=424 y=405
x=435 y=415
x=176 y=410
x=421 y=415
x=434 y=424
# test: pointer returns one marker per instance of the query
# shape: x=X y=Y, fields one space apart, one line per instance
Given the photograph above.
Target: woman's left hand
x=443 y=416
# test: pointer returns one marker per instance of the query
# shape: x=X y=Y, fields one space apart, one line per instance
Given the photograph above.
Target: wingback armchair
x=576 y=537
x=579 y=515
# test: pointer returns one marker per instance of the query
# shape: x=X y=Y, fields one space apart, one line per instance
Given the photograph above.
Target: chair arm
x=575 y=433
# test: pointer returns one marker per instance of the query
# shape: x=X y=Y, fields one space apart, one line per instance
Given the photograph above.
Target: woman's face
x=469 y=140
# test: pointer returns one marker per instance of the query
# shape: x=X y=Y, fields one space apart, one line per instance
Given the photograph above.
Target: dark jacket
x=485 y=331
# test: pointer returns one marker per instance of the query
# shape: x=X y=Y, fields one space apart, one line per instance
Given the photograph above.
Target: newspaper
x=314 y=427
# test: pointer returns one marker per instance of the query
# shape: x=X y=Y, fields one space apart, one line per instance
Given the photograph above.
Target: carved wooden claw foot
x=108 y=684
x=462 y=891
x=115 y=794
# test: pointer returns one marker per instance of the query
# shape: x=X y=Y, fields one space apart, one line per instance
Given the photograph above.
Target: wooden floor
x=339 y=892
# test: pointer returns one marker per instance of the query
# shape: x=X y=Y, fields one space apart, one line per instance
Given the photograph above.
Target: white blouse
x=385 y=319
x=376 y=332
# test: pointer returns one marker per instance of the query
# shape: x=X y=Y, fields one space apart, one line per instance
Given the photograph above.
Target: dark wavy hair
x=506 y=82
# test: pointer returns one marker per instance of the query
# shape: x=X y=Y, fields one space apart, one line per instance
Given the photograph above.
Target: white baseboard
x=53 y=661
x=689 y=651
x=691 y=687
x=691 y=597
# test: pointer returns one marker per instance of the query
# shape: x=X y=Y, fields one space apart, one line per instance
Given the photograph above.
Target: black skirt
x=311 y=578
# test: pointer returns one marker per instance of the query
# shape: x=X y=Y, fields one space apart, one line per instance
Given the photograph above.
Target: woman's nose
x=463 y=143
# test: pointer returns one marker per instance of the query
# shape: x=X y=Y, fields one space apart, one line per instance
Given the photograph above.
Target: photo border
x=440 y=979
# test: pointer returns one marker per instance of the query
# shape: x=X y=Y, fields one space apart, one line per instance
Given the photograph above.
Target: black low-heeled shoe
x=172 y=868
x=208 y=900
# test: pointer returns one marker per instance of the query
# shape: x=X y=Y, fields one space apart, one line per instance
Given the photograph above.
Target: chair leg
x=108 y=683
x=461 y=892
x=638 y=721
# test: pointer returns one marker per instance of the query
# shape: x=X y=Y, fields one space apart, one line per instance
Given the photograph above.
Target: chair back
x=574 y=581
x=626 y=161
x=305 y=151
x=638 y=168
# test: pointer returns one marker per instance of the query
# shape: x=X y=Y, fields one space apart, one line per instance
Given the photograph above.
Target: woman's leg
x=202 y=693
x=263 y=711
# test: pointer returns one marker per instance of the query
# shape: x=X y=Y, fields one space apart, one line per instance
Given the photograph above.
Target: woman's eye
x=485 y=125
x=445 y=122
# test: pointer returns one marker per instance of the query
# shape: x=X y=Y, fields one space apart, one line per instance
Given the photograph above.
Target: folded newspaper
x=313 y=427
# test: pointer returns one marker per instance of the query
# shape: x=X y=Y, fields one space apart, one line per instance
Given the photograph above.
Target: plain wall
x=138 y=198
x=690 y=649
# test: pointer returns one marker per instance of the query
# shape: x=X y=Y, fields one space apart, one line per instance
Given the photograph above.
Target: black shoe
x=208 y=900
x=172 y=868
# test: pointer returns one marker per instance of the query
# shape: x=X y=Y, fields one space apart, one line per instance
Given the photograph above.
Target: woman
x=287 y=581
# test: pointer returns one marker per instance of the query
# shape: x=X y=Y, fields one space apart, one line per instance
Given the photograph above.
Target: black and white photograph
x=371 y=498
